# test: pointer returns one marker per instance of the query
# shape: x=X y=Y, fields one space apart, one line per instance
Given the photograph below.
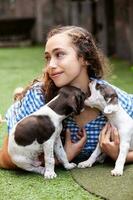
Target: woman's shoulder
x=38 y=84
x=35 y=91
x=33 y=99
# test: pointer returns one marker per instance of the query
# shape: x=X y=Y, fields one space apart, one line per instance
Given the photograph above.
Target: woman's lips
x=54 y=75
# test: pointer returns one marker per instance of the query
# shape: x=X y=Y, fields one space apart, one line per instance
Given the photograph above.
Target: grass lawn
x=18 y=66
x=122 y=75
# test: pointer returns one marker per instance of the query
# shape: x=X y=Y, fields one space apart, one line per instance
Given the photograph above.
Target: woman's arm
x=129 y=158
x=109 y=143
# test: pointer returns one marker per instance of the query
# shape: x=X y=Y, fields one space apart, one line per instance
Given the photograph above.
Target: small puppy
x=40 y=132
x=105 y=98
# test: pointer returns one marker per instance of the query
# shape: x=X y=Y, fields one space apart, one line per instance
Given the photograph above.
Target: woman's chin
x=60 y=83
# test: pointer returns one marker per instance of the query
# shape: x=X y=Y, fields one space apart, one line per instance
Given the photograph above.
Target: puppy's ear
x=110 y=109
x=72 y=106
x=77 y=103
x=112 y=98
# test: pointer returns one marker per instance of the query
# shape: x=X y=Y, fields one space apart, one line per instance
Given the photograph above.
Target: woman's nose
x=52 y=63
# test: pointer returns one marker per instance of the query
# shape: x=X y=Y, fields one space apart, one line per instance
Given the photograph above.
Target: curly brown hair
x=86 y=48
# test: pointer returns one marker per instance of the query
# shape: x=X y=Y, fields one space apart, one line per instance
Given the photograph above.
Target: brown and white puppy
x=105 y=98
x=40 y=132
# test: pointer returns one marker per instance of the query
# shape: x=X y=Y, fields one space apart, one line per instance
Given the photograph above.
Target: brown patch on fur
x=70 y=100
x=108 y=93
x=33 y=128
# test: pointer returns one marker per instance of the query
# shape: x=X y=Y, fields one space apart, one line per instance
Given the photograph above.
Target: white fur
x=26 y=157
x=118 y=117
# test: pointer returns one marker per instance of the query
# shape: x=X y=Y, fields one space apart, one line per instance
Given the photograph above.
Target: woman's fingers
x=105 y=134
x=109 y=141
x=116 y=137
x=82 y=134
x=108 y=133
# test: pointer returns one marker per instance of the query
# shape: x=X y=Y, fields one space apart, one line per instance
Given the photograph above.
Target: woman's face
x=62 y=63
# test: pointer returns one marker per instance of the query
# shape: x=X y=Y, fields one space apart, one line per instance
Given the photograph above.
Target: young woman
x=72 y=58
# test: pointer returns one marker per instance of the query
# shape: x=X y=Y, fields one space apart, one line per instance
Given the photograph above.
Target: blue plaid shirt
x=34 y=99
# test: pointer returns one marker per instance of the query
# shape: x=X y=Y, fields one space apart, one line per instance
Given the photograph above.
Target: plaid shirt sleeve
x=32 y=101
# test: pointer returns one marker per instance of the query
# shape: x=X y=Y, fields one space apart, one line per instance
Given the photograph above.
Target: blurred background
x=26 y=22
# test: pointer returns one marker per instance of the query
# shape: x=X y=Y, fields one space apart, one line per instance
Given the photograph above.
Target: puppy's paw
x=116 y=172
x=50 y=175
x=85 y=164
x=70 y=166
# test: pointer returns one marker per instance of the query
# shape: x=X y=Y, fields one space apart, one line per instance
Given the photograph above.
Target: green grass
x=18 y=66
x=122 y=75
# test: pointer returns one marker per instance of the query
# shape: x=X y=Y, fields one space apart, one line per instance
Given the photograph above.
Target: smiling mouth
x=54 y=75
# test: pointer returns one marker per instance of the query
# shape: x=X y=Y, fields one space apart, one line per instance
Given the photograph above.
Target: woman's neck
x=82 y=81
x=86 y=116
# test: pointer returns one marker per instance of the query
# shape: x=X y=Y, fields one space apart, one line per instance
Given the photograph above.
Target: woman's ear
x=83 y=61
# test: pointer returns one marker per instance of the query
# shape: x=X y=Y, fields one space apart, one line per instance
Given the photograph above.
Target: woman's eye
x=60 y=54
x=47 y=58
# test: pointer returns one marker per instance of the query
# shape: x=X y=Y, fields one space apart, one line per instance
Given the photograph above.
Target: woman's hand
x=109 y=141
x=73 y=149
